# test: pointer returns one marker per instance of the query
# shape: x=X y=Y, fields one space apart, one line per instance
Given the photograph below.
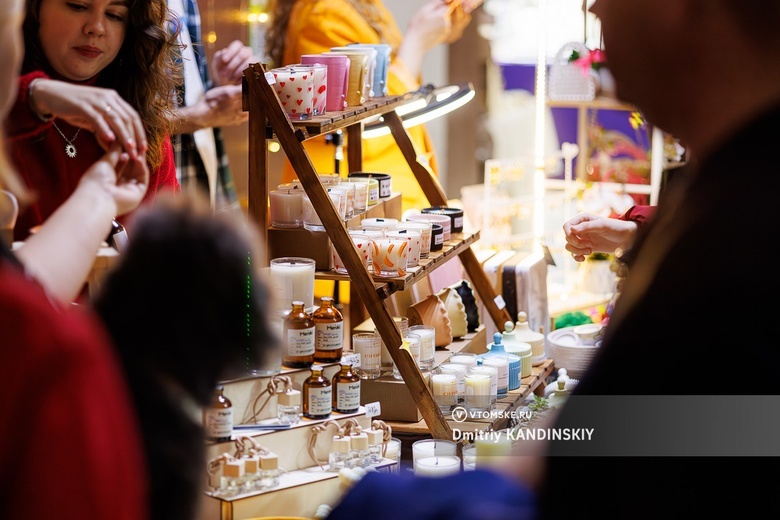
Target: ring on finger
x=107 y=109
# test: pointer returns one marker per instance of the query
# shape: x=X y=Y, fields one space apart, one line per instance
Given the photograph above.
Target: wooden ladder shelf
x=268 y=119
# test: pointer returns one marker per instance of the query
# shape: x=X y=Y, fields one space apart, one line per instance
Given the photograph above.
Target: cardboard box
x=302 y=243
x=393 y=396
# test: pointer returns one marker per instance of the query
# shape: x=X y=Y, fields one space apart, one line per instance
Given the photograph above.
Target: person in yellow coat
x=300 y=27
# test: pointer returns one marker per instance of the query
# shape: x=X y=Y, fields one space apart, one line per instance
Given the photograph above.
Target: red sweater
x=70 y=443
x=38 y=152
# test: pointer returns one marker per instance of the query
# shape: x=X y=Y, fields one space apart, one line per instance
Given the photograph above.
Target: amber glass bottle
x=346 y=390
x=218 y=417
x=317 y=395
x=298 y=338
x=328 y=332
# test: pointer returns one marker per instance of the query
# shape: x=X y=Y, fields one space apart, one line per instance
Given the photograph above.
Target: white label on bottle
x=347 y=396
x=500 y=303
x=373 y=193
x=373 y=409
x=300 y=342
x=219 y=422
x=351 y=359
x=320 y=401
x=438 y=239
x=329 y=336
x=458 y=222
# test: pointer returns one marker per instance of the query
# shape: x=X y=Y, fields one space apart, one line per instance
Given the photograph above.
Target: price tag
x=500 y=303
x=269 y=77
x=373 y=409
x=352 y=359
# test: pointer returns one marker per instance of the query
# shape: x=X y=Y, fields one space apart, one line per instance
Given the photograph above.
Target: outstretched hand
x=99 y=110
x=229 y=63
x=587 y=233
x=124 y=178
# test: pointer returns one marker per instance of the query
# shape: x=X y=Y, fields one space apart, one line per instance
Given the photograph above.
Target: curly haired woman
x=95 y=72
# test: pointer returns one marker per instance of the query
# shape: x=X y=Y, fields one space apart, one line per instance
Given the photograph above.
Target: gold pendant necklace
x=70 y=148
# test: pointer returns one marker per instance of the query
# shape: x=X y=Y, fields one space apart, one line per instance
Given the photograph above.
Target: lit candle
x=292 y=279
x=286 y=208
x=437 y=466
x=477 y=391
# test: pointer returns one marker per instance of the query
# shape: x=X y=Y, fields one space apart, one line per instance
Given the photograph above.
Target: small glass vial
x=251 y=479
x=269 y=471
x=375 y=445
x=328 y=332
x=298 y=338
x=317 y=395
x=360 y=455
x=218 y=417
x=339 y=455
x=231 y=483
x=346 y=390
x=289 y=407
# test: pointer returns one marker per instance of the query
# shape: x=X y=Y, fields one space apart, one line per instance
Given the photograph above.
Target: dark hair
x=186 y=299
x=144 y=72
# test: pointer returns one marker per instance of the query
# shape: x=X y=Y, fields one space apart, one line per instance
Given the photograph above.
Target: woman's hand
x=99 y=110
x=229 y=63
x=587 y=233
x=125 y=179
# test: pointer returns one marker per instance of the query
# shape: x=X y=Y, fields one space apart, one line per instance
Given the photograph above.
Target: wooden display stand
x=268 y=119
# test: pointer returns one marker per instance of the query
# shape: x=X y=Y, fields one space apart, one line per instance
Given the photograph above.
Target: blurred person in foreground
x=70 y=444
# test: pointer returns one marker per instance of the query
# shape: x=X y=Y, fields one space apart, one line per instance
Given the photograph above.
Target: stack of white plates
x=565 y=348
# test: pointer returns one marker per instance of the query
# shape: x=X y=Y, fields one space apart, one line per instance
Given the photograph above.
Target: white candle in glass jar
x=437 y=466
x=427 y=335
x=478 y=391
x=286 y=208
x=445 y=389
x=292 y=278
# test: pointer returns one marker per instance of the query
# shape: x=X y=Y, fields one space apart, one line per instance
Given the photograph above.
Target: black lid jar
x=455 y=214
x=383 y=178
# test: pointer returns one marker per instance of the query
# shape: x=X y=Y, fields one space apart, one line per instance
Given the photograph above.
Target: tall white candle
x=292 y=278
x=437 y=466
x=286 y=208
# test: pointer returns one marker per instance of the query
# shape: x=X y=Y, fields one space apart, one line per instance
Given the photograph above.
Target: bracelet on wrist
x=30 y=91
